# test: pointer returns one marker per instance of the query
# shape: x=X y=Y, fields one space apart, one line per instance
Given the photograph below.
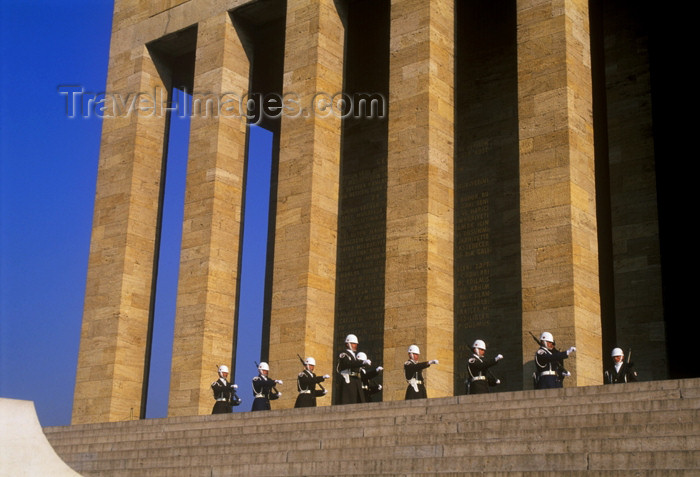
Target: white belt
x=548 y=373
x=221 y=399
x=478 y=378
x=413 y=382
x=308 y=391
x=259 y=395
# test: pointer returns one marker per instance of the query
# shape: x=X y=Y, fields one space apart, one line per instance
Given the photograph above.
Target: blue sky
x=48 y=170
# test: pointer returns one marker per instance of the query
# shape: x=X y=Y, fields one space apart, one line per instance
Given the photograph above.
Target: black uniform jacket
x=264 y=392
x=626 y=374
x=414 y=370
x=478 y=382
x=306 y=385
x=349 y=368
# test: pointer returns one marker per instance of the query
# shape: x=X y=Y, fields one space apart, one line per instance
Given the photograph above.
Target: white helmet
x=413 y=349
x=263 y=366
x=362 y=356
x=310 y=361
x=617 y=352
x=351 y=339
x=479 y=344
x=223 y=369
x=547 y=336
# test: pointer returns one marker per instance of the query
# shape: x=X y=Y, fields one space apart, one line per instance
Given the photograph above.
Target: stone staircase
x=649 y=429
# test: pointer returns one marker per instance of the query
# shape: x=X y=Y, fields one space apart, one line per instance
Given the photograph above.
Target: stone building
x=443 y=170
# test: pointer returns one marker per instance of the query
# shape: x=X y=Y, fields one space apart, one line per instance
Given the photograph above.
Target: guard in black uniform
x=549 y=366
x=367 y=375
x=349 y=367
x=306 y=385
x=224 y=393
x=619 y=372
x=480 y=377
x=264 y=389
x=413 y=370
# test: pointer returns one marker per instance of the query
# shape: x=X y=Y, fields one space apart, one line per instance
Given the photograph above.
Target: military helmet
x=547 y=336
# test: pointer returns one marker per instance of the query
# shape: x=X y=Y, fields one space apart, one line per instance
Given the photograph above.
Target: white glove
x=379 y=369
x=324 y=392
x=500 y=356
x=433 y=361
x=570 y=350
x=326 y=376
x=278 y=381
x=498 y=381
x=379 y=387
x=279 y=394
x=566 y=373
x=367 y=362
x=234 y=386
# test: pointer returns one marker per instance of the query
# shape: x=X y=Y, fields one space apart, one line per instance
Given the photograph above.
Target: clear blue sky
x=48 y=167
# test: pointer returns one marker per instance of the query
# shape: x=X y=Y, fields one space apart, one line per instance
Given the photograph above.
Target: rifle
x=535 y=338
x=493 y=377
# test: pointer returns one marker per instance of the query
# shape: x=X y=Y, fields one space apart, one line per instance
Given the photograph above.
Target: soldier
x=349 y=367
x=480 y=377
x=367 y=374
x=306 y=384
x=224 y=393
x=549 y=368
x=414 y=374
x=264 y=389
x=619 y=372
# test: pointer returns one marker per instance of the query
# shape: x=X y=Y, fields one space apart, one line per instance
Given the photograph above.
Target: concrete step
x=205 y=454
x=512 y=431
x=402 y=446
x=623 y=429
x=605 y=423
x=344 y=418
x=378 y=463
x=348 y=439
x=643 y=392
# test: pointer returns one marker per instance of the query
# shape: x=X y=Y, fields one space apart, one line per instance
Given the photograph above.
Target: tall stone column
x=109 y=381
x=303 y=291
x=557 y=187
x=206 y=298
x=420 y=194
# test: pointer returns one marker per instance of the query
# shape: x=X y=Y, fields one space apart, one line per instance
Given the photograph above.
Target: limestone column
x=557 y=187
x=420 y=194
x=206 y=297
x=109 y=381
x=303 y=291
